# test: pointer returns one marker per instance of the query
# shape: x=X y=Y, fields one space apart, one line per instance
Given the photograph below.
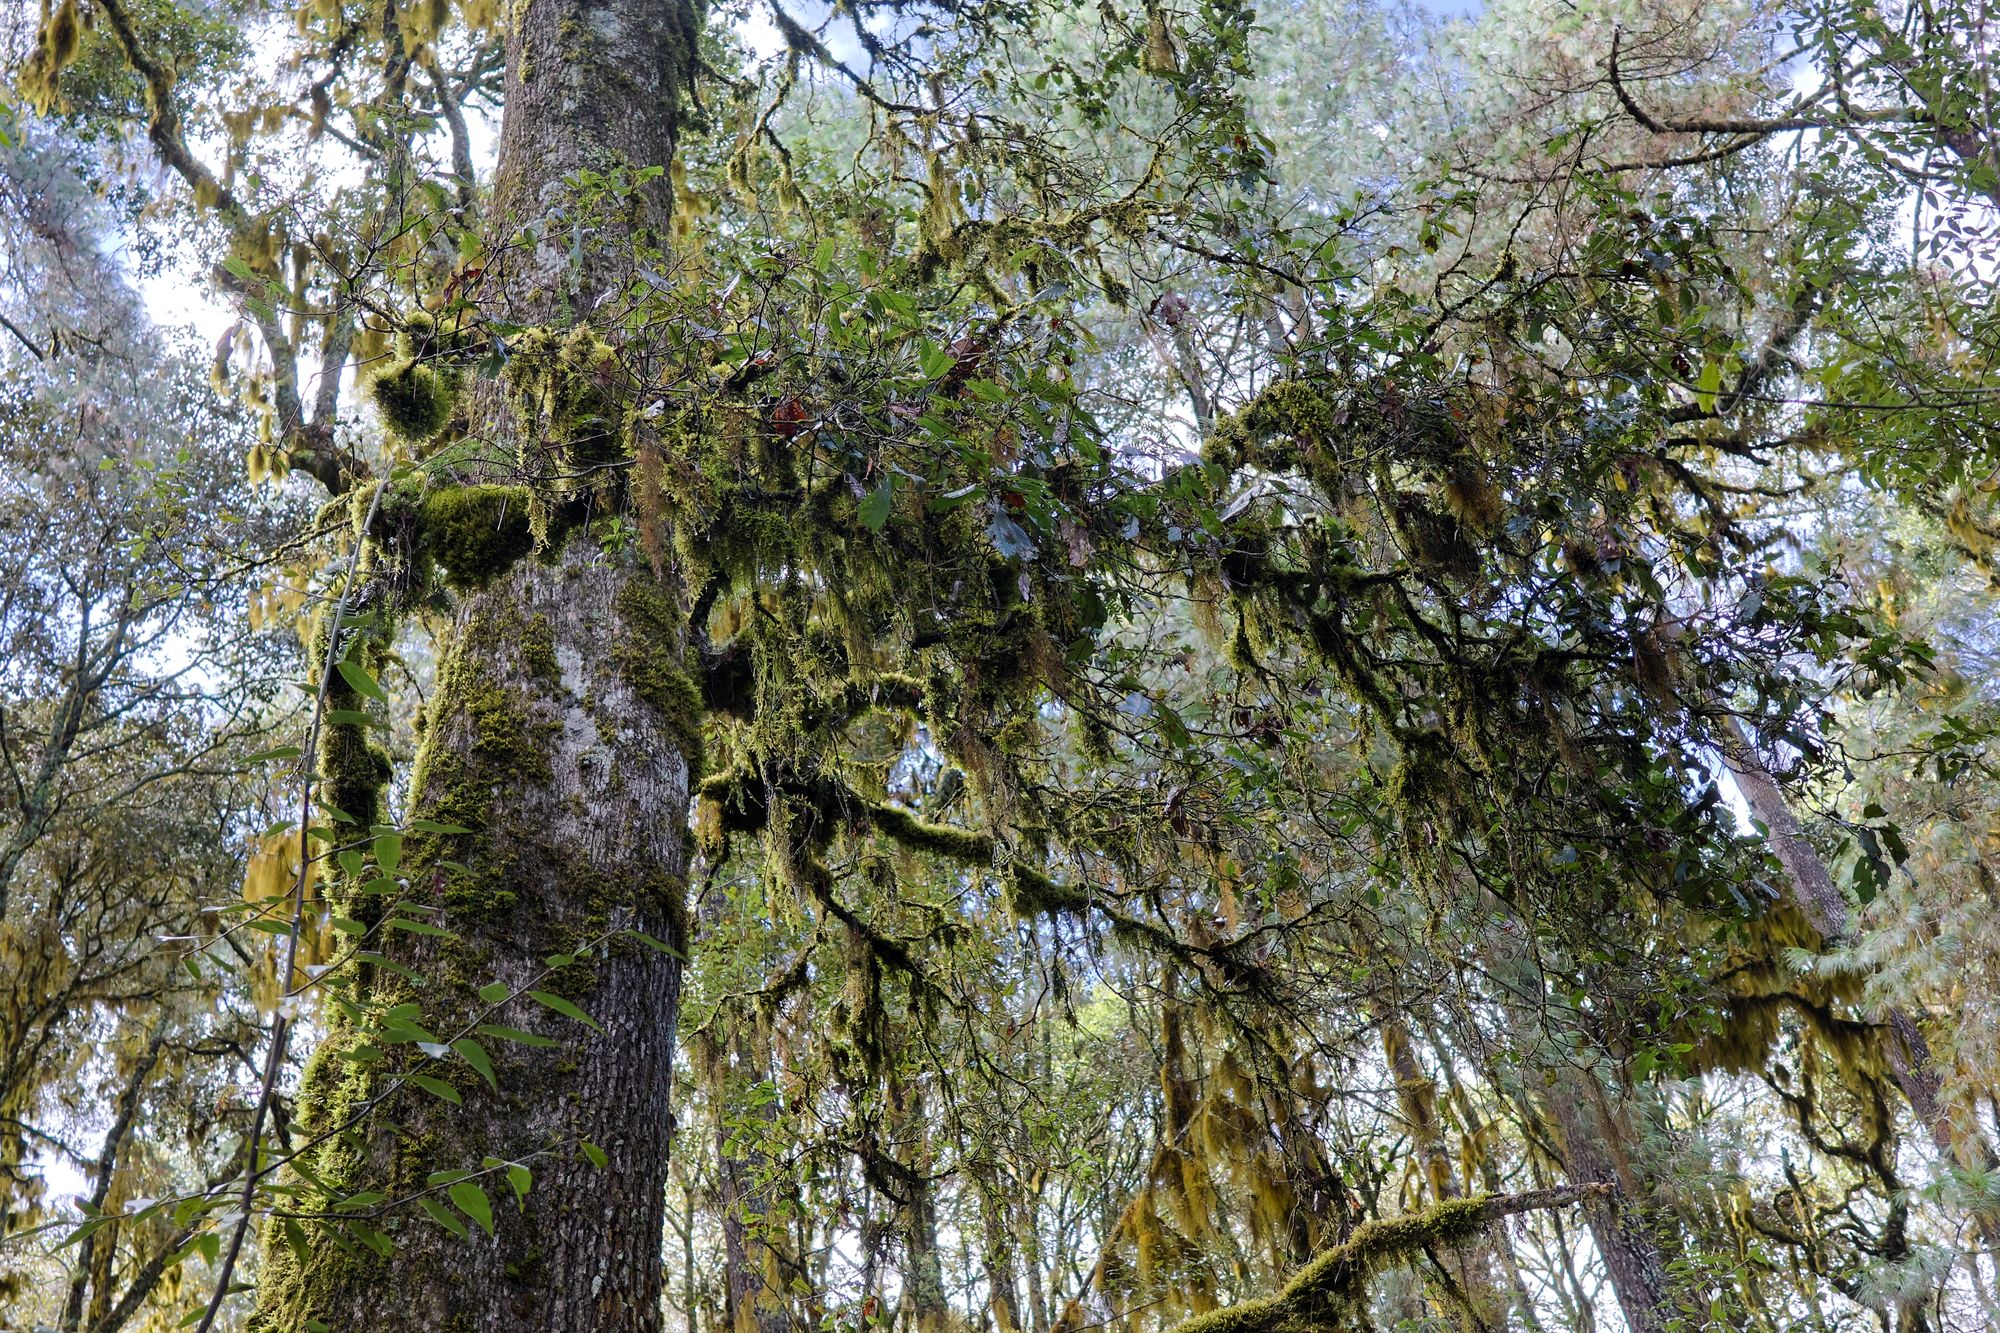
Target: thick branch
x=1327 y=1287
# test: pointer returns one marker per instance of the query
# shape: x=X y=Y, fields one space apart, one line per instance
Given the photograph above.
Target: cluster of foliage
x=1331 y=670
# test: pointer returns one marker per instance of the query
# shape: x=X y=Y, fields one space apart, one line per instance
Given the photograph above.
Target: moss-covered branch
x=1325 y=1291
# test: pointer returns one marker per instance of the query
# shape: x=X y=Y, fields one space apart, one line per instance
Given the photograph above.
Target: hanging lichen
x=57 y=42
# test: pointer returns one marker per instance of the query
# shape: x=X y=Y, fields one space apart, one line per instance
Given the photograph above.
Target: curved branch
x=1318 y=1292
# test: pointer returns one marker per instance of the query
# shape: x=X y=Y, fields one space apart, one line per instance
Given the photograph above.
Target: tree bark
x=755 y=1288
x=1630 y=1253
x=563 y=736
x=997 y=1251
x=1573 y=1105
x=593 y=89
x=1471 y=1266
x=575 y=786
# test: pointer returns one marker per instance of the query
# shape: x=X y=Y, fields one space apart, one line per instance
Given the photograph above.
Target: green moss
x=1332 y=1287
x=1031 y=893
x=458 y=775
x=565 y=388
x=938 y=839
x=352 y=772
x=474 y=534
x=1434 y=538
x=414 y=400
x=424 y=335
x=538 y=650
x=647 y=653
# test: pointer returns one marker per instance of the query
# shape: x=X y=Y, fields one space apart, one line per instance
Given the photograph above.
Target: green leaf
x=361 y=682
x=388 y=849
x=493 y=992
x=348 y=717
x=935 y=361
x=1709 y=386
x=86 y=1231
x=444 y=1217
x=875 y=505
x=660 y=945
x=437 y=1087
x=520 y=1178
x=347 y=925
x=592 y=1153
x=276 y=752
x=372 y=1238
x=472 y=1201
x=516 y=1035
x=565 y=1008
x=475 y=1055
x=432 y=826
x=414 y=927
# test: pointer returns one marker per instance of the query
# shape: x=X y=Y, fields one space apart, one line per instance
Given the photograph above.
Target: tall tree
x=563 y=735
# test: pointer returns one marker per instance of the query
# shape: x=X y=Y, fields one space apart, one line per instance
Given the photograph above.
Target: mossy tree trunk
x=575 y=785
x=1472 y=1266
x=757 y=1272
x=1571 y=1103
x=564 y=737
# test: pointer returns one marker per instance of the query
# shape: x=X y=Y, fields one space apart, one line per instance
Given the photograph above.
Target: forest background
x=1018 y=665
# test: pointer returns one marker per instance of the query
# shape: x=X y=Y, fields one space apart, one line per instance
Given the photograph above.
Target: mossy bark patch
x=474 y=534
x=576 y=833
x=648 y=653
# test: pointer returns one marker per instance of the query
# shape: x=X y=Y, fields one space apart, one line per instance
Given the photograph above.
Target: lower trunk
x=1574 y=1105
x=998 y=1244
x=923 y=1268
x=561 y=737
x=753 y=1229
x=1630 y=1252
x=1029 y=1233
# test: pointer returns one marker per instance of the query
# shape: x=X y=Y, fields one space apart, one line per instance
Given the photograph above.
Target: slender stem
x=281 y=1025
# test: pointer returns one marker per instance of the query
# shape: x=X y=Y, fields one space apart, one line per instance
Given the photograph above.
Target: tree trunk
x=1472 y=1265
x=916 y=1213
x=1957 y=1137
x=997 y=1245
x=575 y=785
x=1631 y=1254
x=755 y=1280
x=594 y=89
x=1573 y=1104
x=563 y=736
